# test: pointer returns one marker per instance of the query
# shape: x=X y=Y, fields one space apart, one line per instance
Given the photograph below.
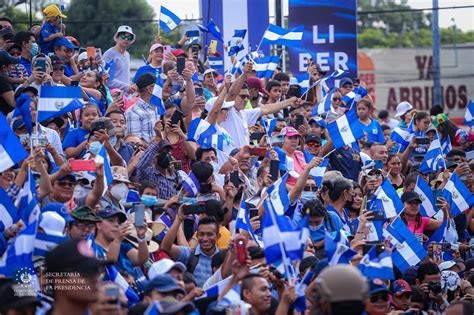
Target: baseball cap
x=289 y=131
x=377 y=285
x=314 y=138
x=110 y=211
x=256 y=83
x=82 y=56
x=71 y=176
x=163 y=283
x=408 y=196
x=319 y=121
x=7 y=59
x=74 y=255
x=207 y=71
x=446 y=265
x=11 y=299
x=57 y=120
x=74 y=41
x=164 y=144
x=155 y=46
x=57 y=62
x=308 y=262
x=23 y=89
x=210 y=104
x=170 y=305
x=399 y=287
x=440 y=119
x=403 y=108
x=18 y=123
x=52 y=10
x=52 y=223
x=85 y=213
x=450 y=280
x=63 y=41
x=125 y=29
x=163 y=266
x=345 y=81
x=60 y=209
x=179 y=52
x=145 y=80
x=341 y=283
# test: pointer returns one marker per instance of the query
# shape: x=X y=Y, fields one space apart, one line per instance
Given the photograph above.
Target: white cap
x=125 y=29
x=82 y=56
x=207 y=71
x=446 y=265
x=155 y=46
x=163 y=266
x=210 y=104
x=52 y=223
x=403 y=108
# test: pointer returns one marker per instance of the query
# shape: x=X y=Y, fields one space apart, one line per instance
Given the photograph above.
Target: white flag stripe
x=53 y=104
x=345 y=129
x=289 y=36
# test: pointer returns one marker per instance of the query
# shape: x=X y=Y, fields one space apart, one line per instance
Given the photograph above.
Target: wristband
x=141 y=240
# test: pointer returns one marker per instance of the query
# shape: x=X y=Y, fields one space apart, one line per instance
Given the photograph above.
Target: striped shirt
x=18 y=71
x=141 y=119
x=203 y=270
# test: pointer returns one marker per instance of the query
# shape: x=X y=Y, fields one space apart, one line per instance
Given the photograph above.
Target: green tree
x=93 y=23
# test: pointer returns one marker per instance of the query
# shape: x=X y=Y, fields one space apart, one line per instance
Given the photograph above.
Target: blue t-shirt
x=146 y=69
x=26 y=63
x=123 y=262
x=74 y=138
x=68 y=72
x=47 y=30
x=346 y=161
x=319 y=234
x=374 y=131
x=345 y=219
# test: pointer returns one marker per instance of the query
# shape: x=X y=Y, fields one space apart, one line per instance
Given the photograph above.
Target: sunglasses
x=244 y=97
x=313 y=144
x=335 y=99
x=380 y=296
x=312 y=188
x=83 y=226
x=66 y=183
x=125 y=36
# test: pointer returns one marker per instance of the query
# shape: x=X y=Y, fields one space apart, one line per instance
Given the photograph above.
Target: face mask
x=315 y=228
x=307 y=195
x=119 y=191
x=81 y=191
x=163 y=160
x=34 y=49
x=113 y=140
x=149 y=200
x=94 y=147
x=214 y=167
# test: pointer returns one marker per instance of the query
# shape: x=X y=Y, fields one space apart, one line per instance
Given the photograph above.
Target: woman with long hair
x=393 y=167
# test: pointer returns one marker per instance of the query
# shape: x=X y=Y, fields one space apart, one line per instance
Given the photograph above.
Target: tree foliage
x=89 y=27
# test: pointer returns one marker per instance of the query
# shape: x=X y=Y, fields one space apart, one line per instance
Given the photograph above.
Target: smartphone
x=198 y=91
x=114 y=292
x=470 y=155
x=419 y=140
x=195 y=50
x=176 y=118
x=100 y=126
x=139 y=214
x=39 y=141
x=274 y=169
x=235 y=179
x=299 y=121
x=90 y=53
x=191 y=34
x=82 y=165
x=213 y=46
x=253 y=212
x=257 y=136
x=98 y=54
x=41 y=64
x=75 y=83
x=166 y=50
x=261 y=152
x=180 y=64
x=240 y=244
x=380 y=247
x=194 y=209
x=378 y=215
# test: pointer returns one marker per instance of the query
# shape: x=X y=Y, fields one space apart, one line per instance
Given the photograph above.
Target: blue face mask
x=34 y=49
x=94 y=147
x=148 y=200
x=307 y=195
x=113 y=140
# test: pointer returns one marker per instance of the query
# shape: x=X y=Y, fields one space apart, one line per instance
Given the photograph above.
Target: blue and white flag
x=317 y=172
x=469 y=116
x=235 y=44
x=111 y=274
x=218 y=142
x=11 y=149
x=345 y=130
x=283 y=240
x=269 y=125
x=373 y=266
x=232 y=296
x=286 y=163
x=191 y=184
x=168 y=20
x=157 y=96
x=275 y=35
x=300 y=304
x=55 y=101
x=133 y=196
x=102 y=158
x=446 y=145
x=324 y=106
x=200 y=129
x=445 y=233
x=8 y=211
x=278 y=195
x=337 y=73
x=238 y=67
x=337 y=249
x=109 y=67
x=408 y=250
x=216 y=63
x=457 y=195
x=389 y=199
x=45 y=243
x=266 y=66
x=164 y=219
x=212 y=28
x=354 y=96
x=243 y=222
x=303 y=82
x=27 y=201
x=427 y=207
x=434 y=158
x=22 y=109
x=401 y=136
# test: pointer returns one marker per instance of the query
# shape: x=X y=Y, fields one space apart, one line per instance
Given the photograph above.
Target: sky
x=464 y=18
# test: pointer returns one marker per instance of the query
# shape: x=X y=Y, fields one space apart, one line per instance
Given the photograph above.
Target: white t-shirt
x=238 y=122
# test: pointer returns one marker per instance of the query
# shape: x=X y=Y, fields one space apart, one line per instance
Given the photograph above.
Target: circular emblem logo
x=455 y=195
x=24 y=276
x=385 y=199
x=344 y=129
x=59 y=104
x=422 y=198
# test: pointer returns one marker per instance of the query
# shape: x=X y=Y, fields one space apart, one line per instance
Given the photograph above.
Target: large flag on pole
x=168 y=20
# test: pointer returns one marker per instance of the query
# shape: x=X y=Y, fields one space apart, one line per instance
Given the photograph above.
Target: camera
x=434 y=287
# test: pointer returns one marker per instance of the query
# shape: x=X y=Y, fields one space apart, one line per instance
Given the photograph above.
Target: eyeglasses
x=244 y=97
x=84 y=226
x=337 y=99
x=66 y=183
x=312 y=188
x=125 y=36
x=380 y=296
x=313 y=144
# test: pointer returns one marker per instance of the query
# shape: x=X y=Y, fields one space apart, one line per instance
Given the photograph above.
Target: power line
x=415 y=10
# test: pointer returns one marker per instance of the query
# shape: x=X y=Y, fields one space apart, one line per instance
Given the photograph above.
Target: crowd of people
x=141 y=206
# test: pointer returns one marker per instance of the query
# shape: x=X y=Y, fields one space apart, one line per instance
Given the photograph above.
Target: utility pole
x=437 y=97
x=280 y=50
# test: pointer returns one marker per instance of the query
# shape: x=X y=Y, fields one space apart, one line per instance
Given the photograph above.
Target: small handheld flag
x=275 y=35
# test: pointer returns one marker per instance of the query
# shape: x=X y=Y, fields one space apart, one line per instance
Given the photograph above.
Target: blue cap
x=323 y=263
x=345 y=81
x=63 y=41
x=377 y=285
x=109 y=211
x=60 y=209
x=319 y=121
x=57 y=168
x=163 y=283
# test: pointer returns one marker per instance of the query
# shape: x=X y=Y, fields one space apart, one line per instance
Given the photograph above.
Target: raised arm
x=168 y=241
x=235 y=88
x=295 y=192
x=276 y=107
x=214 y=113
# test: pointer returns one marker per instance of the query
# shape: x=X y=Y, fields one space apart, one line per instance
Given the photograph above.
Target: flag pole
x=159 y=29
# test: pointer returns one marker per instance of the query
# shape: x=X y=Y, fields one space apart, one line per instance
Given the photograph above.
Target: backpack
x=192 y=262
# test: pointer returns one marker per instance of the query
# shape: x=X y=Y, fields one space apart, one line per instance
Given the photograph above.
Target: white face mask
x=119 y=191
x=81 y=191
x=315 y=228
x=214 y=166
